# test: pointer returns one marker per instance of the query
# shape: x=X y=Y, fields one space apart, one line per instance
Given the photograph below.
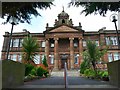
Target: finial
x=47 y=24
x=63 y=8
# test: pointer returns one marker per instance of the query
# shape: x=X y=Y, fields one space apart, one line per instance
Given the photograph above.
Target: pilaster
x=71 y=53
x=56 y=54
x=47 y=49
x=80 y=50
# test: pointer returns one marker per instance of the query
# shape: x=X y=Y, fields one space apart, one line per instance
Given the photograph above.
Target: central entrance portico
x=70 y=52
x=66 y=42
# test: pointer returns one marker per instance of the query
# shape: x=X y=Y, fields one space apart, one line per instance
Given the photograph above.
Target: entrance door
x=63 y=60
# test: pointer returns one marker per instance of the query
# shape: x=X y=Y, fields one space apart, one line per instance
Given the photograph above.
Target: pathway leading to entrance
x=73 y=83
x=56 y=81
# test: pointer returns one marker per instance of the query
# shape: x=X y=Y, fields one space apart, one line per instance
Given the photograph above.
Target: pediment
x=64 y=29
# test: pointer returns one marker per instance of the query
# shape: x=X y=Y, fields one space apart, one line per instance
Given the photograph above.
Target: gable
x=64 y=29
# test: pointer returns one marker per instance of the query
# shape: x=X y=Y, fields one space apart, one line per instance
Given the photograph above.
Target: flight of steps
x=73 y=73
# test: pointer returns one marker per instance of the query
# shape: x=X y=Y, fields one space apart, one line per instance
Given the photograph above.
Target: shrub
x=83 y=67
x=89 y=73
x=34 y=71
x=28 y=68
x=45 y=62
x=40 y=71
x=46 y=73
x=103 y=73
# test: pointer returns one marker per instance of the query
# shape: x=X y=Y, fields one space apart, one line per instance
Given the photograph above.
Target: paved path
x=73 y=83
x=56 y=81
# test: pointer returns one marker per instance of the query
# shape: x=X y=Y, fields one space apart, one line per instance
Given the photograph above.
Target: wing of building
x=63 y=43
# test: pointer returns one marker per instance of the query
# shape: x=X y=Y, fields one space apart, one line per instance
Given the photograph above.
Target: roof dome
x=63 y=13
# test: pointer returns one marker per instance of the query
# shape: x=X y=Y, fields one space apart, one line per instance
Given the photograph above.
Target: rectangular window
x=113 y=40
x=76 y=57
x=75 y=44
x=43 y=43
x=42 y=57
x=52 y=45
x=9 y=56
x=15 y=42
x=20 y=58
x=97 y=42
x=14 y=57
x=52 y=59
x=21 y=41
x=116 y=56
x=11 y=43
x=107 y=40
x=84 y=43
x=110 y=58
x=37 y=59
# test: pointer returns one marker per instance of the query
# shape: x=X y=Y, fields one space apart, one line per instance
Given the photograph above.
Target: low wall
x=12 y=73
x=114 y=72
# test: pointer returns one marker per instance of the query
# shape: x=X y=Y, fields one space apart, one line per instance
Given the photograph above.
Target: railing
x=65 y=76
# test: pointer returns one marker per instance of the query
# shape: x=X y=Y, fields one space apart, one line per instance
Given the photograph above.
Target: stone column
x=56 y=54
x=71 y=53
x=47 y=49
x=80 y=50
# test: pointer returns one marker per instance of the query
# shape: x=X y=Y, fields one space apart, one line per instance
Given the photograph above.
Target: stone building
x=63 y=43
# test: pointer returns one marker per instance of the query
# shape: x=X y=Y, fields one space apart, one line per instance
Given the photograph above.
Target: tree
x=29 y=48
x=92 y=55
x=96 y=7
x=45 y=61
x=23 y=10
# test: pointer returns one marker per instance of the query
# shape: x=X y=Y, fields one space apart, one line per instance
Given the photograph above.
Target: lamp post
x=13 y=21
x=28 y=33
x=117 y=33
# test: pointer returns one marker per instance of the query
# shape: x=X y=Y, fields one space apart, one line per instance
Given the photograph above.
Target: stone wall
x=12 y=73
x=114 y=72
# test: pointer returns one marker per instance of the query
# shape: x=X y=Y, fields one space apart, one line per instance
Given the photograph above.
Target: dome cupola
x=63 y=15
x=63 y=18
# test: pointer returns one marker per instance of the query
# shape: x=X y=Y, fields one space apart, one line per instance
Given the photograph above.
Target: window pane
x=110 y=57
x=21 y=41
x=107 y=41
x=75 y=44
x=43 y=43
x=52 y=44
x=11 y=43
x=20 y=58
x=116 y=56
x=37 y=59
x=97 y=43
x=114 y=40
x=52 y=59
x=84 y=43
x=42 y=57
x=15 y=42
x=76 y=56
x=14 y=57
x=9 y=56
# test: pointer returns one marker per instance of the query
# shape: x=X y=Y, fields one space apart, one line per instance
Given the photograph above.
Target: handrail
x=65 y=76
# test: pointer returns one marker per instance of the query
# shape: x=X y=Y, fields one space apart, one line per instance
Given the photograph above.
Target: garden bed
x=30 y=78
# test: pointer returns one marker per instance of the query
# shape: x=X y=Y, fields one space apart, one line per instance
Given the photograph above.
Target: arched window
x=63 y=21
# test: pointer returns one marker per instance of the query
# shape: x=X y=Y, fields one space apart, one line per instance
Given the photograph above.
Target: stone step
x=62 y=87
x=72 y=73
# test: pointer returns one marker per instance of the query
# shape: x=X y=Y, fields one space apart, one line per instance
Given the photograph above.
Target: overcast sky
x=89 y=23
